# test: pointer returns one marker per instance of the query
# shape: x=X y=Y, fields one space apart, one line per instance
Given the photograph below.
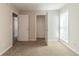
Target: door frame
x=46 y=26
x=14 y=15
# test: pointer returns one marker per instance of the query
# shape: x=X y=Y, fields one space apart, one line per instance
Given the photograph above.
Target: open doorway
x=15 y=27
x=40 y=28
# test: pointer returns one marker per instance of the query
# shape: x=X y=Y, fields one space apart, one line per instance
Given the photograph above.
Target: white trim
x=28 y=40
x=5 y=50
x=52 y=39
x=23 y=40
x=32 y=40
x=62 y=42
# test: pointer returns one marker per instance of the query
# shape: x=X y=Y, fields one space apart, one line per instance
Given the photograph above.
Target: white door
x=23 y=28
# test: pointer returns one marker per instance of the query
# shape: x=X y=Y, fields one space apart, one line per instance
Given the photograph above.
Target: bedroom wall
x=73 y=21
x=53 y=23
x=32 y=22
x=5 y=27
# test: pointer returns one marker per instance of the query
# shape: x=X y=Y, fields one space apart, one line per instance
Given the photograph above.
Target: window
x=64 y=26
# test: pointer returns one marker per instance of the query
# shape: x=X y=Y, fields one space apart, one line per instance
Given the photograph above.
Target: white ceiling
x=38 y=6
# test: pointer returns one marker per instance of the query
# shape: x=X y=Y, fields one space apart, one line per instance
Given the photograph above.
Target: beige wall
x=5 y=27
x=53 y=16
x=73 y=36
x=32 y=22
x=53 y=25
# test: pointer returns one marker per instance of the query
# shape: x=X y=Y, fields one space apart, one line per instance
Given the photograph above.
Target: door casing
x=46 y=27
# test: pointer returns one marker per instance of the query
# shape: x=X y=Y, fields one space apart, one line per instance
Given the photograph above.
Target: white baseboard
x=52 y=39
x=69 y=47
x=1 y=53
x=23 y=40
x=27 y=40
x=32 y=39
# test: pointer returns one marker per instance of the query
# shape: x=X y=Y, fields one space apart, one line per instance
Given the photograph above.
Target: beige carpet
x=39 y=48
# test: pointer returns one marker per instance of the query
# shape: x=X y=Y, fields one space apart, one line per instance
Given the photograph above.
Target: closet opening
x=40 y=34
